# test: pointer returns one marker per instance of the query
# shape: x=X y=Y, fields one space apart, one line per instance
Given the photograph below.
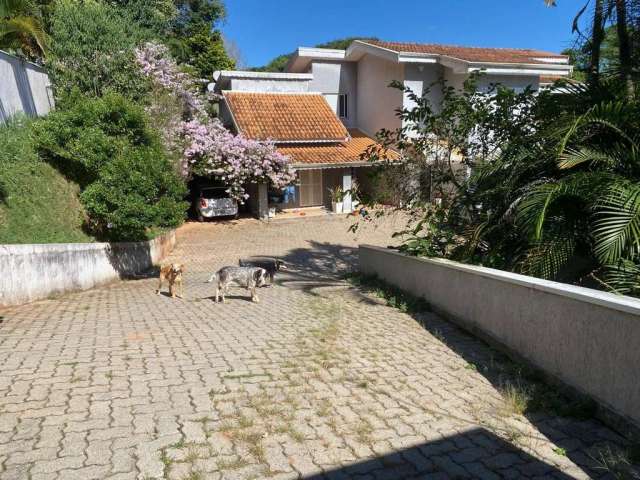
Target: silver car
x=215 y=202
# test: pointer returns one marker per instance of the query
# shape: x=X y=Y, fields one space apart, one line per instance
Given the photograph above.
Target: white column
x=346 y=185
x=263 y=202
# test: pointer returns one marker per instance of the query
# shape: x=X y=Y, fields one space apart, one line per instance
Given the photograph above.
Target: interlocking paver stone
x=319 y=379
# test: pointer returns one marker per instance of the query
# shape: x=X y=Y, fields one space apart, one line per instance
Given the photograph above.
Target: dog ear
x=181 y=267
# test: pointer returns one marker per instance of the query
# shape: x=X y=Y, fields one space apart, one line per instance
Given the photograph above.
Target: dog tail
x=214 y=276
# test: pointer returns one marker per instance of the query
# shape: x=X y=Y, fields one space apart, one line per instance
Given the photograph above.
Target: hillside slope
x=37 y=203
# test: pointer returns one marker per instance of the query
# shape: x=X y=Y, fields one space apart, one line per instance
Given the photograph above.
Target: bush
x=92 y=50
x=136 y=191
x=129 y=186
x=37 y=203
x=86 y=136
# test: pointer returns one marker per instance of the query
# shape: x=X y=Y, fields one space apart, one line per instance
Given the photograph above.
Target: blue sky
x=263 y=29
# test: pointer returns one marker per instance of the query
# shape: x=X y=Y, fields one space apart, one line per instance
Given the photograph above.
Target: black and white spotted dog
x=271 y=265
x=248 y=277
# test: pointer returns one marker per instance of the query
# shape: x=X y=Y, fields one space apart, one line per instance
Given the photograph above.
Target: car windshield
x=214 y=193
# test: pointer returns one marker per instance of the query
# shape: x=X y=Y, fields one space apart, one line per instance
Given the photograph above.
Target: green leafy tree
x=195 y=41
x=207 y=54
x=156 y=16
x=93 y=50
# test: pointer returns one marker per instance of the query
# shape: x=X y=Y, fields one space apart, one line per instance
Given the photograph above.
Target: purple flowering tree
x=209 y=149
x=214 y=151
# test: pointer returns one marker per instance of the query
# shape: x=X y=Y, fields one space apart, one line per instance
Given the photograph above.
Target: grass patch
x=363 y=431
x=194 y=475
x=516 y=398
x=37 y=203
x=615 y=463
x=236 y=463
x=394 y=297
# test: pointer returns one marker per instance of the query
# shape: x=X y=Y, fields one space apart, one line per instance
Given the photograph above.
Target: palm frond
x=547 y=258
x=574 y=157
x=22 y=27
x=616 y=225
x=623 y=277
x=611 y=115
x=533 y=209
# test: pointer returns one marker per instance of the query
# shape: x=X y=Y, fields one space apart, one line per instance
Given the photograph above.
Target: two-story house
x=325 y=109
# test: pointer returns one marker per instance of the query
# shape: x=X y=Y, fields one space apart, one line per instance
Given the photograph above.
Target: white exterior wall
x=268 y=85
x=376 y=101
x=334 y=78
x=517 y=82
x=24 y=87
x=423 y=79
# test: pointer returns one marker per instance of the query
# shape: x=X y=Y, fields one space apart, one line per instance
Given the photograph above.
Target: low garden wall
x=583 y=338
x=33 y=272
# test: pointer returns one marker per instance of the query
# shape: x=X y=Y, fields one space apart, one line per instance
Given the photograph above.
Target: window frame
x=343 y=105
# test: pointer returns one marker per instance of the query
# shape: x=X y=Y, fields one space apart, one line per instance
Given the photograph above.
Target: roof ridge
x=381 y=43
x=248 y=92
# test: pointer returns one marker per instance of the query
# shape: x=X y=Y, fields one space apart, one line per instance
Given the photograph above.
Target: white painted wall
x=334 y=78
x=423 y=79
x=376 y=102
x=36 y=271
x=24 y=87
x=268 y=85
x=517 y=82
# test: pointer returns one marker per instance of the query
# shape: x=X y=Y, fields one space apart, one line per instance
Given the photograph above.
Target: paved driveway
x=317 y=379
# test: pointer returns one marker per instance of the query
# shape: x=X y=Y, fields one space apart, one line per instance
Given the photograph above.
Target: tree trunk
x=597 y=37
x=626 y=63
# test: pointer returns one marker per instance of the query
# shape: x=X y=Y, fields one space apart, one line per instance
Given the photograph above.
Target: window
x=343 y=111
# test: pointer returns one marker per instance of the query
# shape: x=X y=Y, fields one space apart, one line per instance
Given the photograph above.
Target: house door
x=310 y=188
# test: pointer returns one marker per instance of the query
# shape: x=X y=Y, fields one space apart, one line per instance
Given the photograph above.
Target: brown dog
x=172 y=273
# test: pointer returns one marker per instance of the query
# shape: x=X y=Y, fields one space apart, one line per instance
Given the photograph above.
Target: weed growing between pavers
x=394 y=297
x=294 y=412
x=522 y=387
x=615 y=462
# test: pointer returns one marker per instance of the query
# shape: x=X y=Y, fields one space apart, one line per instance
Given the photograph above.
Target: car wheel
x=200 y=217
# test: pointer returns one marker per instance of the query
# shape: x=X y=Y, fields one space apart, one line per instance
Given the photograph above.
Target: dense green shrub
x=37 y=203
x=134 y=193
x=107 y=146
x=92 y=47
x=83 y=138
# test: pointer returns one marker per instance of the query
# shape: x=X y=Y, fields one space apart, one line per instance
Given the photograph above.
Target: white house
x=354 y=86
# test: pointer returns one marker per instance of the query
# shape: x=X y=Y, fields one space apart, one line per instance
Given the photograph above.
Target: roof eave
x=358 y=48
x=303 y=56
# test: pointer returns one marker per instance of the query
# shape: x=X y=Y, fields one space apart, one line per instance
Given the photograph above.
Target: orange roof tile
x=285 y=117
x=473 y=54
x=334 y=153
x=547 y=79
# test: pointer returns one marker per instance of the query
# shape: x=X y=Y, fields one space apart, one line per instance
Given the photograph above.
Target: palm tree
x=21 y=28
x=589 y=211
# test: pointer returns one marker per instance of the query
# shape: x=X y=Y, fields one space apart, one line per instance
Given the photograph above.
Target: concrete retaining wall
x=586 y=339
x=33 y=272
